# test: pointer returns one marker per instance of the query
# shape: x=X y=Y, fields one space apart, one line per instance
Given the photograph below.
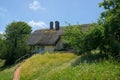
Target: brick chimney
x=51 y=25
x=57 y=25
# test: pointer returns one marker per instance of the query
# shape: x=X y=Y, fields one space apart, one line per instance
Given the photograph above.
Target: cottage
x=46 y=39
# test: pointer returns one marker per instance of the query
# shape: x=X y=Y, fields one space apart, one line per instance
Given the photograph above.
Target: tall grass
x=85 y=71
x=7 y=72
x=63 y=67
x=1 y=63
x=39 y=66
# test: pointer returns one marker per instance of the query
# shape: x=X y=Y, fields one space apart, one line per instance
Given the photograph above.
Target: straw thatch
x=45 y=37
x=48 y=37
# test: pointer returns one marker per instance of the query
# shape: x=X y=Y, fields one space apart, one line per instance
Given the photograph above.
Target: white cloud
x=35 y=5
x=37 y=25
x=1 y=32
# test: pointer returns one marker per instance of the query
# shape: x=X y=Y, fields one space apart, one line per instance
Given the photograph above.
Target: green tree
x=84 y=40
x=93 y=39
x=110 y=20
x=2 y=46
x=74 y=36
x=16 y=35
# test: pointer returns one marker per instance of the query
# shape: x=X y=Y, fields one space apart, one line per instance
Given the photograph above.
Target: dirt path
x=16 y=74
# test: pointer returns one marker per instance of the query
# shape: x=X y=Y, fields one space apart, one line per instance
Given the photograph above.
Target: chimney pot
x=57 y=25
x=51 y=25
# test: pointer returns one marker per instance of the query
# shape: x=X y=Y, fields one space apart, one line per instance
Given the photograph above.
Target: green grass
x=7 y=73
x=40 y=66
x=85 y=71
x=65 y=67
x=1 y=62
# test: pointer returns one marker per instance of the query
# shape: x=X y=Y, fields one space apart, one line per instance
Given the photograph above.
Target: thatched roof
x=48 y=37
x=45 y=37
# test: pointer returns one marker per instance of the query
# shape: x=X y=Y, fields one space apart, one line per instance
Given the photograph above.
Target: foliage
x=1 y=62
x=110 y=20
x=74 y=36
x=16 y=35
x=93 y=39
x=1 y=36
x=105 y=36
x=2 y=47
x=84 y=40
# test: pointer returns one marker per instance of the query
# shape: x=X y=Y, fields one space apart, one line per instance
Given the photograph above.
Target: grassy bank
x=63 y=67
x=7 y=73
x=40 y=66
x=85 y=71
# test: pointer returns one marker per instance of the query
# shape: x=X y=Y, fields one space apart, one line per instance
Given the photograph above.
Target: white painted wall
x=49 y=48
x=59 y=45
x=37 y=49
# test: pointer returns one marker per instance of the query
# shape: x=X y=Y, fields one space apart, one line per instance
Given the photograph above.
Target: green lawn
x=63 y=67
x=84 y=71
x=40 y=66
x=7 y=73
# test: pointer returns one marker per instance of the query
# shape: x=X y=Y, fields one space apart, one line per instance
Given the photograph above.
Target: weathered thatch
x=48 y=37
x=45 y=37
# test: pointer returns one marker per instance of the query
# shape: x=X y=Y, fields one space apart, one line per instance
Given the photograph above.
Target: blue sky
x=38 y=13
